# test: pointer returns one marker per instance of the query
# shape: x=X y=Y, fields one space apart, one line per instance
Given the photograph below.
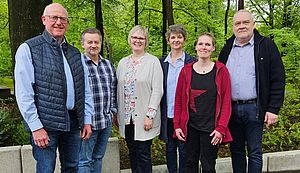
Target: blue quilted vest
x=50 y=81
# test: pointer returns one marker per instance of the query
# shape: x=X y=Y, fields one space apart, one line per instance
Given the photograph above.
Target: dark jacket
x=50 y=86
x=163 y=104
x=223 y=103
x=269 y=70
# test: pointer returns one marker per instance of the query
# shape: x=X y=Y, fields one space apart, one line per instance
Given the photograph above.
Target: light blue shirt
x=24 y=78
x=241 y=67
x=172 y=78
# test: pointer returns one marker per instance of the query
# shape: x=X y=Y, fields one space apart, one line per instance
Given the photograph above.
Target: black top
x=202 y=104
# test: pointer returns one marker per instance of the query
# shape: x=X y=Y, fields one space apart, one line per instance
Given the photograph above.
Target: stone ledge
x=10 y=159
x=279 y=162
x=18 y=159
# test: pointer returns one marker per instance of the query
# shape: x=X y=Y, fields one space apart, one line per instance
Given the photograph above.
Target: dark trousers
x=198 y=146
x=171 y=150
x=139 y=152
x=246 y=129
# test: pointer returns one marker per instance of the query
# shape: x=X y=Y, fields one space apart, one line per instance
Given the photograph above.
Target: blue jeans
x=68 y=144
x=246 y=129
x=93 y=150
x=171 y=150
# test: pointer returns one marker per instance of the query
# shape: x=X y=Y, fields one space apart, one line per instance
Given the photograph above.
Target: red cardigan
x=223 y=103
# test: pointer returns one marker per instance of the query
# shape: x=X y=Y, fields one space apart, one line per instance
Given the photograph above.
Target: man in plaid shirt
x=103 y=83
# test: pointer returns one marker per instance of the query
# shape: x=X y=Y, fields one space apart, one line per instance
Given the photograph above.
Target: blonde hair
x=213 y=39
x=139 y=29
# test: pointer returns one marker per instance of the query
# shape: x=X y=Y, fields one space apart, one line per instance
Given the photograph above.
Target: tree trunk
x=24 y=21
x=136 y=12
x=271 y=15
x=169 y=9
x=240 y=4
x=226 y=18
x=164 y=28
x=208 y=12
x=109 y=50
x=287 y=21
x=99 y=21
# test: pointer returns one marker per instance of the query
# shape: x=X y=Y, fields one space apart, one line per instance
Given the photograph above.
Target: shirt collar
x=169 y=58
x=87 y=58
x=251 y=42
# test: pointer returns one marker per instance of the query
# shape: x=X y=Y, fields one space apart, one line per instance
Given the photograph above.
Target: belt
x=239 y=102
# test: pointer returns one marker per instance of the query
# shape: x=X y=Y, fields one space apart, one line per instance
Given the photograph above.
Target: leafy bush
x=12 y=131
x=286 y=134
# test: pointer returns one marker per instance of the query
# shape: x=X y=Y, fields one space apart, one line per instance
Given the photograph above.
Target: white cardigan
x=149 y=90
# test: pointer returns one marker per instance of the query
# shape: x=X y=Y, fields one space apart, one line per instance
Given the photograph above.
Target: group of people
x=70 y=100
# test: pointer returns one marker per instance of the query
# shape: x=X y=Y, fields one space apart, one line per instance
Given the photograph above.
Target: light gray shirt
x=24 y=77
x=241 y=67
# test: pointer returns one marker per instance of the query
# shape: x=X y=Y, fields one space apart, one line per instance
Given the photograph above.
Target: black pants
x=139 y=152
x=198 y=146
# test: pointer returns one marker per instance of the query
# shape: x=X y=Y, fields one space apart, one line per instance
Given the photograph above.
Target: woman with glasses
x=139 y=93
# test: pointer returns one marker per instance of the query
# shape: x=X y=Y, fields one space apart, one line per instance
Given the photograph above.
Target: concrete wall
x=18 y=159
x=279 y=162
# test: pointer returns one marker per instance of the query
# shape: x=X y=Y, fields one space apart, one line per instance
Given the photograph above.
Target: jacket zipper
x=257 y=77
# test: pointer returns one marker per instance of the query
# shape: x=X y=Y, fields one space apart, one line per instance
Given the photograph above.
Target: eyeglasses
x=63 y=20
x=138 y=38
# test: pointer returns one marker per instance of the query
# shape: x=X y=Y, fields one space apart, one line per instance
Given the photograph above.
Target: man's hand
x=217 y=139
x=179 y=134
x=270 y=119
x=41 y=138
x=86 y=132
x=147 y=123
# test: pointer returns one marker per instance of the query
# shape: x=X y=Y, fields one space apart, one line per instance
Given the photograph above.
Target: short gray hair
x=177 y=28
x=244 y=11
x=90 y=31
x=51 y=5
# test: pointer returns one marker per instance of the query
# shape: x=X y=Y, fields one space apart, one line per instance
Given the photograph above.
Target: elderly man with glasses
x=51 y=93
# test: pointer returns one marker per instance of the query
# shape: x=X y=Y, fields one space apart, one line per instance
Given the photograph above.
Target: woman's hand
x=147 y=123
x=180 y=135
x=217 y=139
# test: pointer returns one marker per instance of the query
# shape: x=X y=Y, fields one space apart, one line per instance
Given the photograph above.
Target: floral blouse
x=129 y=91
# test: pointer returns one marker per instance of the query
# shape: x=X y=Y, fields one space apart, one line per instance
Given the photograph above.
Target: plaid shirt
x=103 y=83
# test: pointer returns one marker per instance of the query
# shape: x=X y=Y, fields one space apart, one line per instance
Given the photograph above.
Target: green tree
x=5 y=62
x=24 y=20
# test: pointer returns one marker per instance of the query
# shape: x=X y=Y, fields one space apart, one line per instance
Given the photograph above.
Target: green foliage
x=11 y=128
x=118 y=18
x=289 y=46
x=5 y=60
x=286 y=134
x=7 y=82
